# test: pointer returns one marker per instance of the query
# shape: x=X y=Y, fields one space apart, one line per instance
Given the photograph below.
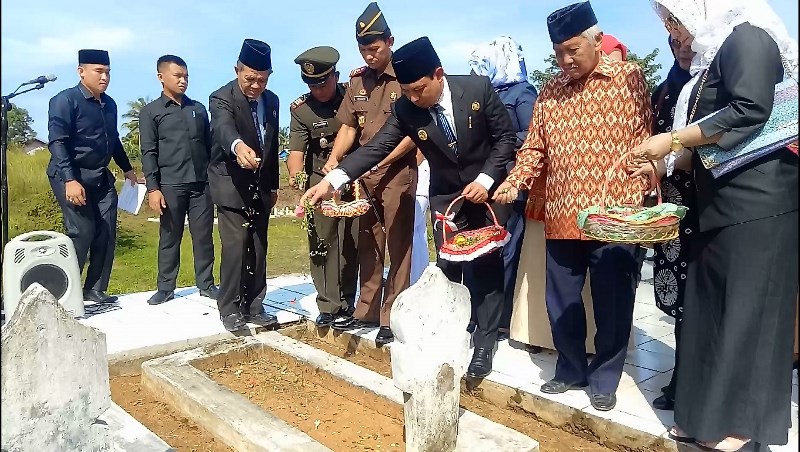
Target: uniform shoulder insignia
x=358 y=71
x=298 y=102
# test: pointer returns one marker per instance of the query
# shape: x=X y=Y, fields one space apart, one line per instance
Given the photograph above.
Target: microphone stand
x=4 y=109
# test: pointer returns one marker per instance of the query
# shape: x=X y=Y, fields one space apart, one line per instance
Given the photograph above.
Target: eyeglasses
x=672 y=23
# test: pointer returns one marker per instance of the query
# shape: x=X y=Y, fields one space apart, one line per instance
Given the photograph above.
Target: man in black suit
x=243 y=178
x=464 y=131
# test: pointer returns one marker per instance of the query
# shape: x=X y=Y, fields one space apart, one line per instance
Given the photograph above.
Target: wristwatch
x=676 y=144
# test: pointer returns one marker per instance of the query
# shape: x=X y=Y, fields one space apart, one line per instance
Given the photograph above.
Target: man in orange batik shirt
x=585 y=119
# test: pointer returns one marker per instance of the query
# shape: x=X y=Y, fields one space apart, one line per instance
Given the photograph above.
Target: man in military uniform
x=392 y=182
x=313 y=127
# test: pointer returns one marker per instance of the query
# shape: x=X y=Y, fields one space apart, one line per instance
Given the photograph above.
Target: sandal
x=677 y=435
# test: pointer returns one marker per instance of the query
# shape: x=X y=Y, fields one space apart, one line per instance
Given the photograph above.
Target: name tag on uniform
x=360 y=98
x=320 y=124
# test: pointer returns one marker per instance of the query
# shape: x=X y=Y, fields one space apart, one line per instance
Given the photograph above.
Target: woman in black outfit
x=671 y=258
x=734 y=385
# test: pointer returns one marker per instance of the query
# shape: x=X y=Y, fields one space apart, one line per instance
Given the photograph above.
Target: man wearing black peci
x=462 y=128
x=243 y=178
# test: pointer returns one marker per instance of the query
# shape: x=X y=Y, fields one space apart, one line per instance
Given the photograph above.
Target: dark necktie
x=441 y=121
x=254 y=112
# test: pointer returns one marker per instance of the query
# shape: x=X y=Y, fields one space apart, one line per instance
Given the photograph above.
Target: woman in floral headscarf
x=734 y=385
x=501 y=60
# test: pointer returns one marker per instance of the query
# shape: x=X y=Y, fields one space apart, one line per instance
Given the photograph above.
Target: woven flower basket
x=359 y=206
x=469 y=245
x=611 y=225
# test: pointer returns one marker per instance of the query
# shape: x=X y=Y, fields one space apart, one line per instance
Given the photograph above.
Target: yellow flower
x=461 y=240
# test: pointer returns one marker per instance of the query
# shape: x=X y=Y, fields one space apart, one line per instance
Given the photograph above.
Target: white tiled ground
x=132 y=324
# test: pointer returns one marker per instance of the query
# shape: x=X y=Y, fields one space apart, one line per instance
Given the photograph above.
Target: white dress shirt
x=338 y=177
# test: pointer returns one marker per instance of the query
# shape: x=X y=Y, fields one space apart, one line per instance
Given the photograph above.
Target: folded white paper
x=131 y=197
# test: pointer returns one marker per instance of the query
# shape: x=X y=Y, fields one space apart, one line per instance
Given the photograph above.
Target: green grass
x=33 y=207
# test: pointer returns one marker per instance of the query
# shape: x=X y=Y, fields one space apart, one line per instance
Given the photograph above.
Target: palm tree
x=131 y=141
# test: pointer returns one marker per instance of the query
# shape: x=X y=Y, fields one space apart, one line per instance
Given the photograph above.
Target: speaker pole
x=4 y=109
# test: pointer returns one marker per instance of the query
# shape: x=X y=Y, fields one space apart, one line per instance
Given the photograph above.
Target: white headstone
x=429 y=357
x=54 y=379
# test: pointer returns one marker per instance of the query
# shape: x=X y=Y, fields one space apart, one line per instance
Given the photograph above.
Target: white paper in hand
x=131 y=197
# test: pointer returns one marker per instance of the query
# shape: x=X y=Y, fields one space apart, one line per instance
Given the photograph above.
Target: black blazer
x=231 y=119
x=485 y=134
x=741 y=82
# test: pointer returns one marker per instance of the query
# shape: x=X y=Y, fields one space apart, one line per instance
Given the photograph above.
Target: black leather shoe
x=603 y=402
x=664 y=403
x=351 y=323
x=234 y=322
x=481 y=364
x=344 y=313
x=262 y=319
x=471 y=327
x=161 y=296
x=558 y=387
x=324 y=320
x=98 y=296
x=212 y=292
x=502 y=335
x=384 y=336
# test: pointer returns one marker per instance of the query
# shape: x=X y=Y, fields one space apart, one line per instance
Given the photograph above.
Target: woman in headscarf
x=734 y=385
x=501 y=60
x=671 y=258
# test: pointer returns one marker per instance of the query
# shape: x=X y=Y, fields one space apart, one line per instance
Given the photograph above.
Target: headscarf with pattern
x=501 y=60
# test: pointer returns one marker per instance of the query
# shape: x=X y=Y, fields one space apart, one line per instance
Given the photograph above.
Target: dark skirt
x=671 y=261
x=738 y=325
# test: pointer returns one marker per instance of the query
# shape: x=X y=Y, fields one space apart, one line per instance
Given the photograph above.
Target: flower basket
x=466 y=246
x=359 y=206
x=631 y=224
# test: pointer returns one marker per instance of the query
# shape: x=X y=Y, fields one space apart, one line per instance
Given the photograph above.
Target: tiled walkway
x=133 y=324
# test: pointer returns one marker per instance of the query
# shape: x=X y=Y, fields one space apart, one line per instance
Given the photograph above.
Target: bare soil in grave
x=333 y=412
x=551 y=439
x=178 y=431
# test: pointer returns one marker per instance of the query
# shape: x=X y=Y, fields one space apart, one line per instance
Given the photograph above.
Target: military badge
x=423 y=135
x=323 y=142
x=393 y=96
x=362 y=91
x=308 y=67
x=361 y=120
x=476 y=106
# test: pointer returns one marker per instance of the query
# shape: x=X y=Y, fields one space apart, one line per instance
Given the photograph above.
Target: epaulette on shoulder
x=358 y=71
x=299 y=101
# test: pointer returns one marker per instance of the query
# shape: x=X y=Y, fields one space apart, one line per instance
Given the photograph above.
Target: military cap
x=371 y=25
x=93 y=56
x=317 y=64
x=255 y=54
x=570 y=21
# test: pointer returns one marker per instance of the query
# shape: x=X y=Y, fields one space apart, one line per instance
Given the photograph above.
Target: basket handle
x=450 y=207
x=356 y=192
x=615 y=166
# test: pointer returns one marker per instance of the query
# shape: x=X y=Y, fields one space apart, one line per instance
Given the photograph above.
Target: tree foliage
x=131 y=140
x=650 y=68
x=20 y=129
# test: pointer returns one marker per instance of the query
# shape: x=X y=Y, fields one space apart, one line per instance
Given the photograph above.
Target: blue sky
x=43 y=37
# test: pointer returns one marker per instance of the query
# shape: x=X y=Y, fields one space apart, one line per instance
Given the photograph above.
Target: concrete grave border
x=221 y=411
x=551 y=412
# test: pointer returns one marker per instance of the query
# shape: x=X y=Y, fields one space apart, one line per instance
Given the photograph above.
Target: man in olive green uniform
x=392 y=183
x=313 y=127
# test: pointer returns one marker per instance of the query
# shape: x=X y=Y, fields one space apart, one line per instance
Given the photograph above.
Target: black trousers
x=192 y=199
x=482 y=276
x=92 y=228
x=613 y=269
x=243 y=270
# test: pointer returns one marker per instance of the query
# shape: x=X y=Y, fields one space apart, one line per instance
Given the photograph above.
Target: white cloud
x=59 y=50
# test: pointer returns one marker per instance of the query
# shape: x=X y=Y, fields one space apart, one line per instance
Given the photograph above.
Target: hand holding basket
x=359 y=206
x=468 y=245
